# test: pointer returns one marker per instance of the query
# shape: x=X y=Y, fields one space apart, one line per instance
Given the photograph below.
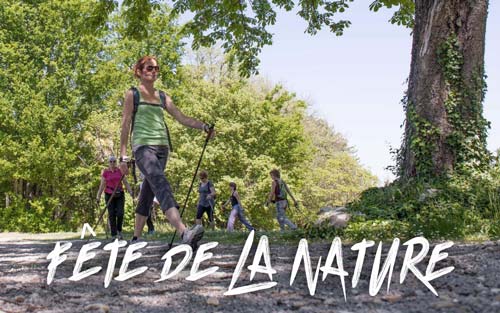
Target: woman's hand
x=210 y=130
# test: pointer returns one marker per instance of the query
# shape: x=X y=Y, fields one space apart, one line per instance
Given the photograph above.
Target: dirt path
x=474 y=285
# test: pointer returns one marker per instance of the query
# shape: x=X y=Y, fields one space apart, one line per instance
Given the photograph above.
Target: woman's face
x=112 y=164
x=150 y=71
x=204 y=179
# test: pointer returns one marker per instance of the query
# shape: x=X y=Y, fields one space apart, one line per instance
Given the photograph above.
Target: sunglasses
x=150 y=68
x=112 y=161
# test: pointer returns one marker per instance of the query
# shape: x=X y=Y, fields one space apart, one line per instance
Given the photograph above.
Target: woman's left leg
x=120 y=212
x=243 y=220
x=232 y=218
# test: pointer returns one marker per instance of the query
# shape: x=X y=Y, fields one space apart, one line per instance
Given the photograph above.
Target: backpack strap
x=163 y=101
x=285 y=187
x=208 y=185
x=137 y=98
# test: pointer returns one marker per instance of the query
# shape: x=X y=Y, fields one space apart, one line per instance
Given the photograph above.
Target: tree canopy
x=242 y=26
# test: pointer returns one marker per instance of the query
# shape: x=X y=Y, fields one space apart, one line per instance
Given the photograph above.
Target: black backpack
x=280 y=191
x=163 y=101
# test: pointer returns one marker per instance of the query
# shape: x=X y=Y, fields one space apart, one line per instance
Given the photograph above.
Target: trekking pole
x=106 y=226
x=211 y=129
x=211 y=217
x=107 y=205
x=134 y=189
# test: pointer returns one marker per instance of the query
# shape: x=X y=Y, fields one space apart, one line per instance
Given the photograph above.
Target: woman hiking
x=111 y=179
x=237 y=209
x=279 y=191
x=150 y=146
x=206 y=200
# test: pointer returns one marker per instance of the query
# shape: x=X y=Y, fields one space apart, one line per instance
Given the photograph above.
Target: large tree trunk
x=444 y=128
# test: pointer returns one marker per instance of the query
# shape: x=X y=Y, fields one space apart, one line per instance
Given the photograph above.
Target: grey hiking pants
x=151 y=161
x=281 y=206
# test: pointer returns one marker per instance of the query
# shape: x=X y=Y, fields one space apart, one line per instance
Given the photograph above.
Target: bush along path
x=473 y=285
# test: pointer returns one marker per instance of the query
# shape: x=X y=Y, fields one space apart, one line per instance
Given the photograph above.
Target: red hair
x=139 y=65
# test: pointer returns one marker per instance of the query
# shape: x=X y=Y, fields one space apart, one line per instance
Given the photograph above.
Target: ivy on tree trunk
x=445 y=130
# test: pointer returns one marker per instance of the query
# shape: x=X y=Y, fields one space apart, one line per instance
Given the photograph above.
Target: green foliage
x=376 y=229
x=360 y=227
x=464 y=110
x=61 y=114
x=403 y=16
x=424 y=137
x=336 y=176
x=47 y=53
x=460 y=206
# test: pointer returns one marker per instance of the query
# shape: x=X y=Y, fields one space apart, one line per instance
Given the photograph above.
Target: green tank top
x=149 y=125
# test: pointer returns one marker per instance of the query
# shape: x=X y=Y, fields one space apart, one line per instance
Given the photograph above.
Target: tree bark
x=428 y=148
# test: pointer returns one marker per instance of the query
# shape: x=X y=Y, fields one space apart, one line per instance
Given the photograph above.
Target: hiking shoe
x=151 y=232
x=134 y=240
x=120 y=236
x=193 y=235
